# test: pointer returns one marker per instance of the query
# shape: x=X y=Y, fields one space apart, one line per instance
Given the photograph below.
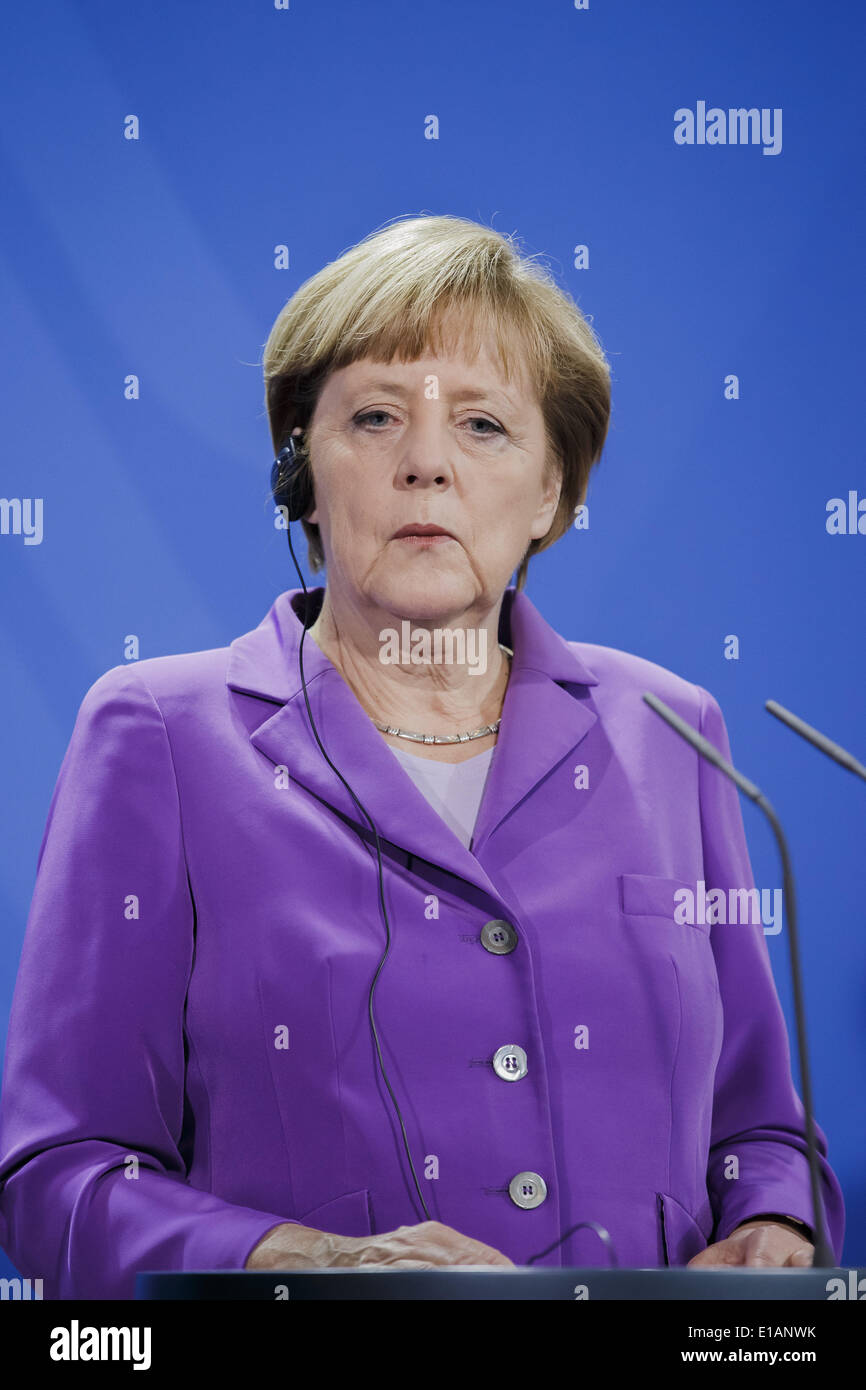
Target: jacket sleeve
x=92 y=1182
x=757 y=1160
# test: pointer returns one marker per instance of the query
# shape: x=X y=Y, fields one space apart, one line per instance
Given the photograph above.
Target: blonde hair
x=390 y=297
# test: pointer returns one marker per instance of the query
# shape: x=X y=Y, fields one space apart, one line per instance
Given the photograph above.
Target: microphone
x=826 y=745
x=823 y=1256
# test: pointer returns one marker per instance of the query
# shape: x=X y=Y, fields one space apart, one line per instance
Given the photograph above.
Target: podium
x=484 y=1282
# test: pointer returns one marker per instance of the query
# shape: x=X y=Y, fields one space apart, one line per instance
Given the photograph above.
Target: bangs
x=431 y=289
x=458 y=325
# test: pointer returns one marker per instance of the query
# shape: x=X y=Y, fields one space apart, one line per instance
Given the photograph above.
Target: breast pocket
x=661 y=915
x=660 y=923
x=671 y=899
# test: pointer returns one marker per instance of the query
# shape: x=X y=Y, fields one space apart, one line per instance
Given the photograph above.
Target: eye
x=492 y=427
x=368 y=414
x=482 y=420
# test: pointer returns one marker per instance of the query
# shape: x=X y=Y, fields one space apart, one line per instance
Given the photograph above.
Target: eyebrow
x=466 y=393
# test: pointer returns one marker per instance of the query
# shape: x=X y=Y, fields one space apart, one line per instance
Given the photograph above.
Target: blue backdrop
x=724 y=279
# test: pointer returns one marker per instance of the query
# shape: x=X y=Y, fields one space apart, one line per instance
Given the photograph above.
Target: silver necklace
x=444 y=738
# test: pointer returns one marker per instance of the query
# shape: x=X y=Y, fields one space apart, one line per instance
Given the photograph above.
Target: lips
x=427 y=529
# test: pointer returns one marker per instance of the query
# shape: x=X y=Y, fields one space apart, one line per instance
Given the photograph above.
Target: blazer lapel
x=545 y=714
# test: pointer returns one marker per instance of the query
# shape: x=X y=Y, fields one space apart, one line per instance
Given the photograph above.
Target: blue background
x=305 y=127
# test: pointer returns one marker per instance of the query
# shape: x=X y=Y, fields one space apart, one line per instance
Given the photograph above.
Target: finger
x=493 y=1258
x=394 y=1260
x=474 y=1257
x=802 y=1257
x=407 y=1243
x=703 y=1260
x=761 y=1257
x=477 y=1253
x=765 y=1251
x=399 y=1265
x=458 y=1249
x=724 y=1253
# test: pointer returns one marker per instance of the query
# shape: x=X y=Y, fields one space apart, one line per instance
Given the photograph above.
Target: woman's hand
x=429 y=1245
x=758 y=1242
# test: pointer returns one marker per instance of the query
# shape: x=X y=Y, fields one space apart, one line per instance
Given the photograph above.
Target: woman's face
x=442 y=441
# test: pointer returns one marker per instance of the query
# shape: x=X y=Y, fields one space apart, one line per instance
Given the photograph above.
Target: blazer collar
x=546 y=713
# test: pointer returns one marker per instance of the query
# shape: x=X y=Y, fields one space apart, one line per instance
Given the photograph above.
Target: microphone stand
x=826 y=745
x=823 y=1256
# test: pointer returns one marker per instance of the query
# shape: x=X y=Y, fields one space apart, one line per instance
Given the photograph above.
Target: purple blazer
x=189 y=1058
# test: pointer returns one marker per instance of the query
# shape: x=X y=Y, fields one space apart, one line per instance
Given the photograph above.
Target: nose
x=425 y=459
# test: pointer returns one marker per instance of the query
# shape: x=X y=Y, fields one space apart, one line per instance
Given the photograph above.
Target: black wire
x=600 y=1231
x=594 y=1225
x=369 y=820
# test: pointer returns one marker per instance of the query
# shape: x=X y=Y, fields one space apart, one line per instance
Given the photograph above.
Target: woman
x=308 y=991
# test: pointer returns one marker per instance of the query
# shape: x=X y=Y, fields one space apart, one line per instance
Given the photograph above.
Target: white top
x=454 y=790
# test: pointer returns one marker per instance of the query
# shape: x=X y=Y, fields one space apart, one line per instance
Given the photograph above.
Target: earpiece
x=290 y=483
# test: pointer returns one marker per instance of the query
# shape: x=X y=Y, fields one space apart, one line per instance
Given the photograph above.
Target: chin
x=424 y=595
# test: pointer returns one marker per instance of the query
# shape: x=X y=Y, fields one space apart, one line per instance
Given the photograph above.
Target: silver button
x=527 y=1190
x=498 y=937
x=509 y=1062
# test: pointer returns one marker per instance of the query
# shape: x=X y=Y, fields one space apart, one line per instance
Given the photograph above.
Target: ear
x=311 y=516
x=543 y=519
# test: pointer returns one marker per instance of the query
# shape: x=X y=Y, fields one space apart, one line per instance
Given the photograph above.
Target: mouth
x=423 y=535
